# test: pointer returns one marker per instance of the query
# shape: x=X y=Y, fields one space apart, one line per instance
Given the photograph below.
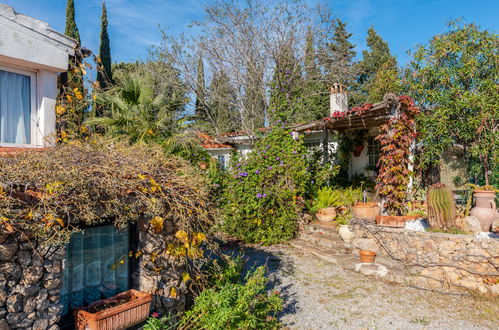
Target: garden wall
x=30 y=283
x=438 y=261
x=31 y=280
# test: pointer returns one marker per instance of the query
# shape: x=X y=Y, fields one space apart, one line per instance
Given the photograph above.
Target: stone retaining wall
x=30 y=283
x=438 y=261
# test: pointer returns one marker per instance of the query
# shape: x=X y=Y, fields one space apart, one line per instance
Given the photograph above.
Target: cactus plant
x=441 y=207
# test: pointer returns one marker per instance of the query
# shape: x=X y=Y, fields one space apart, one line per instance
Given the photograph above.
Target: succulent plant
x=441 y=207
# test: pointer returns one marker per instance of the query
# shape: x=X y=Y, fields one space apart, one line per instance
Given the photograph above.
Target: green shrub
x=260 y=200
x=236 y=306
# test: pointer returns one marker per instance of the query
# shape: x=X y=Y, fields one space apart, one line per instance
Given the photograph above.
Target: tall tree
x=454 y=77
x=104 y=72
x=253 y=112
x=222 y=101
x=200 y=91
x=340 y=69
x=71 y=28
x=377 y=58
x=286 y=88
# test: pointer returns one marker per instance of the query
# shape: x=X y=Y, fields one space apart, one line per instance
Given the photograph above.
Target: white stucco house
x=322 y=134
x=31 y=56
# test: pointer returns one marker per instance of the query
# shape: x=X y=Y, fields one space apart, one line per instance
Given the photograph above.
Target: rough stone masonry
x=438 y=261
x=30 y=283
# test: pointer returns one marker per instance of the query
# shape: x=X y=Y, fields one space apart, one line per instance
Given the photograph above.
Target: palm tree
x=132 y=111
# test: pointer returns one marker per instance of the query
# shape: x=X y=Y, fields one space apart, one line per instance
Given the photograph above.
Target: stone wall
x=30 y=283
x=158 y=273
x=438 y=261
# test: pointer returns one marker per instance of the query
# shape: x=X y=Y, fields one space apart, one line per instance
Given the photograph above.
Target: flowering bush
x=262 y=190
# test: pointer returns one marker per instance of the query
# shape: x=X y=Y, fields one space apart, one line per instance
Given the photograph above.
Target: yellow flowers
x=157 y=224
x=189 y=246
x=173 y=292
x=78 y=94
x=69 y=98
x=186 y=277
x=52 y=188
x=50 y=220
x=60 y=110
x=150 y=132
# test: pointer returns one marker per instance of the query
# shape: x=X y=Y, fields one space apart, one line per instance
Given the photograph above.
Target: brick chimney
x=338 y=99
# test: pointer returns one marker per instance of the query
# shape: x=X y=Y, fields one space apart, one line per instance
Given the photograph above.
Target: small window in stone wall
x=96 y=266
x=373 y=150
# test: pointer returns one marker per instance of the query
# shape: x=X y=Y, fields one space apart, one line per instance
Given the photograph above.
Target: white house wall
x=30 y=45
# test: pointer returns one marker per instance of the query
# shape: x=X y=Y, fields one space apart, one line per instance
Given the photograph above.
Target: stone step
x=325 y=228
x=325 y=240
x=325 y=254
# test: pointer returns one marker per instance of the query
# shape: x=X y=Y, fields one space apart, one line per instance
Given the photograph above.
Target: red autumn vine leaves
x=395 y=139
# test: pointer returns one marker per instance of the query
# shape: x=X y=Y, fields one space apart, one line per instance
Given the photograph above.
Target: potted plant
x=325 y=203
x=121 y=311
x=484 y=205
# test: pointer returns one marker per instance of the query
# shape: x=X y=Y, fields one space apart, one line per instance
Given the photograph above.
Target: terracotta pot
x=202 y=166
x=485 y=208
x=345 y=234
x=122 y=316
x=394 y=221
x=366 y=211
x=367 y=256
x=358 y=150
x=326 y=214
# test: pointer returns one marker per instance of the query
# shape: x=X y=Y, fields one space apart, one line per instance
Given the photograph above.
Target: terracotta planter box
x=122 y=316
x=366 y=211
x=394 y=221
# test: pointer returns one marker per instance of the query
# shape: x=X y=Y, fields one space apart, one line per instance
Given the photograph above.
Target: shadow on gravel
x=275 y=262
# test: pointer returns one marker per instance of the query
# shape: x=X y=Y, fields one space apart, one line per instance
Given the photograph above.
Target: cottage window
x=373 y=150
x=17 y=104
x=221 y=161
x=96 y=266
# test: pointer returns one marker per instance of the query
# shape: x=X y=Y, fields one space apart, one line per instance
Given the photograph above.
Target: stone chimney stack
x=338 y=99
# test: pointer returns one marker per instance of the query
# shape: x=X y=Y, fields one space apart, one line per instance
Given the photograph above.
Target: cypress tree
x=341 y=69
x=71 y=28
x=221 y=104
x=377 y=58
x=104 y=73
x=200 y=91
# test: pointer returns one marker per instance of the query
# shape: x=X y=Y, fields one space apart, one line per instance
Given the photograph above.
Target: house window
x=373 y=150
x=96 y=266
x=221 y=161
x=17 y=91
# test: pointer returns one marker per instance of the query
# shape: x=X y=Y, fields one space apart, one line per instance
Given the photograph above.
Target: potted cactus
x=441 y=207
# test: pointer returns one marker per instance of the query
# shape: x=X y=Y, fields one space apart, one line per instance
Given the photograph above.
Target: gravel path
x=319 y=295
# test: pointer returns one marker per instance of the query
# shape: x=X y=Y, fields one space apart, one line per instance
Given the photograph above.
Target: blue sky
x=133 y=24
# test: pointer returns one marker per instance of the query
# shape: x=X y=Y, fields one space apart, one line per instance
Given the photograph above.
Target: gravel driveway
x=320 y=295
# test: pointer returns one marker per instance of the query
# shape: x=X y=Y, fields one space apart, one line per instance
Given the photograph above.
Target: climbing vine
x=395 y=139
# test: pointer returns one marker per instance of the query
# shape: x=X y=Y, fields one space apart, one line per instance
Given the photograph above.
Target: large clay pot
x=345 y=234
x=326 y=214
x=366 y=211
x=485 y=208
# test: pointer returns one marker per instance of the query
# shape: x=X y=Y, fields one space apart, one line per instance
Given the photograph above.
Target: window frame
x=33 y=86
x=372 y=147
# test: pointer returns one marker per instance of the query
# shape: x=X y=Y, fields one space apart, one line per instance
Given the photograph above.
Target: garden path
x=320 y=295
